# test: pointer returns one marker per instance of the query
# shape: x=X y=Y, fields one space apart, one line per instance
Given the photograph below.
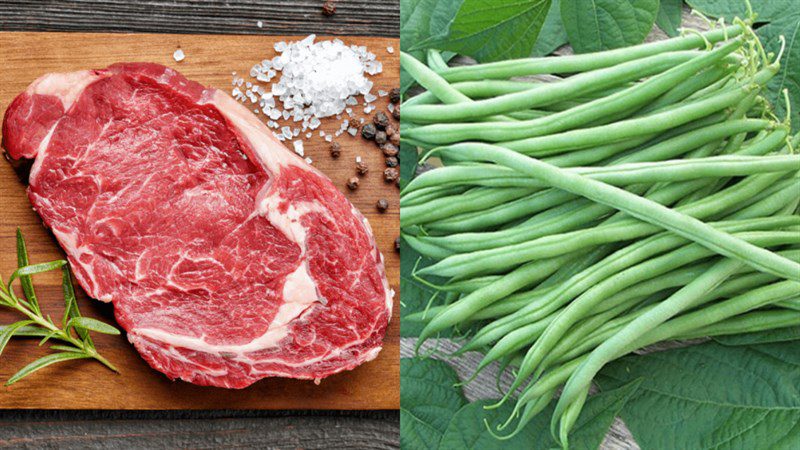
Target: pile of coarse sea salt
x=308 y=81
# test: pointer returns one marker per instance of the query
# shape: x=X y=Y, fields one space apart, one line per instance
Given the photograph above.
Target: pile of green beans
x=646 y=194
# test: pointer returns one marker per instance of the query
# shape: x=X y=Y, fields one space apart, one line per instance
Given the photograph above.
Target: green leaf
x=595 y=25
x=43 y=362
x=415 y=296
x=487 y=30
x=25 y=280
x=7 y=332
x=465 y=430
x=428 y=399
x=761 y=337
x=789 y=75
x=87 y=323
x=668 y=18
x=553 y=34
x=766 y=10
x=409 y=157
x=415 y=18
x=713 y=396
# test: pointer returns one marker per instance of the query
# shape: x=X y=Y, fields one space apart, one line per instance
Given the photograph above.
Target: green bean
x=577 y=386
x=435 y=84
x=435 y=60
x=585 y=62
x=504 y=257
x=540 y=200
x=682 y=91
x=632 y=97
x=638 y=207
x=618 y=175
x=471 y=201
x=755 y=321
x=746 y=323
x=543 y=94
x=590 y=299
x=491 y=88
x=519 y=278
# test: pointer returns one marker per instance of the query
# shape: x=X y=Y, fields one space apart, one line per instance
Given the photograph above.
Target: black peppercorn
x=395 y=139
x=390 y=131
x=397 y=245
x=361 y=168
x=394 y=95
x=392 y=161
x=368 y=131
x=336 y=149
x=396 y=112
x=380 y=138
x=380 y=120
x=382 y=205
x=352 y=183
x=389 y=149
x=329 y=8
x=391 y=175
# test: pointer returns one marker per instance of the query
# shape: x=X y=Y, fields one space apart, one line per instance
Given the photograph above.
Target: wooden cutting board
x=86 y=384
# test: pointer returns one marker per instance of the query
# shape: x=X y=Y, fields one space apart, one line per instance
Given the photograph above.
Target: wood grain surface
x=353 y=17
x=87 y=385
x=126 y=430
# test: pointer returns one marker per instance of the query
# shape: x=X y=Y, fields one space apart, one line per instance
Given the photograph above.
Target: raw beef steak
x=227 y=258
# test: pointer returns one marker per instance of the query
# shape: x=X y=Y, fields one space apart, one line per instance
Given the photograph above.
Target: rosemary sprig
x=73 y=332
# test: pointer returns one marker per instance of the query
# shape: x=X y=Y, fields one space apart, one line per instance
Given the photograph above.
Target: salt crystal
x=318 y=79
x=369 y=98
x=308 y=135
x=352 y=131
x=328 y=138
x=390 y=49
x=298 y=147
x=178 y=56
x=260 y=24
x=309 y=160
x=382 y=93
x=358 y=159
x=286 y=132
x=390 y=107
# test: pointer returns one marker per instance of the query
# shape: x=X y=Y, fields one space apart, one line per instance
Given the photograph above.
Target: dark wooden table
x=201 y=429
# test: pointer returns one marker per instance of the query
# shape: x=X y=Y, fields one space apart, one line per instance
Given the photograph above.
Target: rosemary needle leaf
x=87 y=323
x=71 y=305
x=25 y=280
x=66 y=348
x=44 y=362
x=8 y=331
x=34 y=269
x=47 y=337
x=27 y=331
